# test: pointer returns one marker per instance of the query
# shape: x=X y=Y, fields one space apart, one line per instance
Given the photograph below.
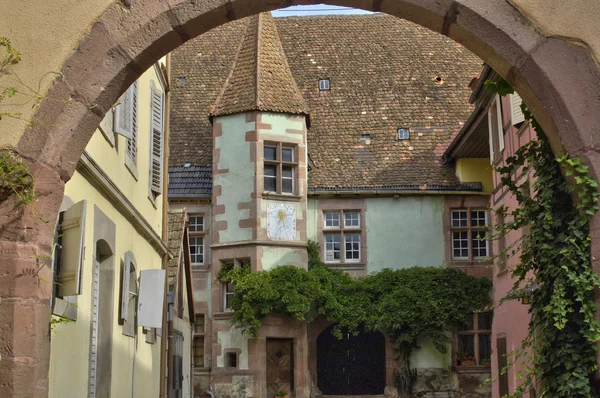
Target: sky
x=320 y=9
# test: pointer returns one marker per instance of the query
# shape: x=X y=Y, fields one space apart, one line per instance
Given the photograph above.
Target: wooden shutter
x=151 y=297
x=125 y=285
x=132 y=141
x=516 y=114
x=122 y=115
x=502 y=363
x=156 y=155
x=72 y=229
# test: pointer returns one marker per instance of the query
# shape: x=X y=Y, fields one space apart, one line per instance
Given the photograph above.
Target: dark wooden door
x=280 y=366
x=502 y=362
x=353 y=365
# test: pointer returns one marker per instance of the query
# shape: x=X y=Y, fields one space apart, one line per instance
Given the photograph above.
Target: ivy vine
x=411 y=305
x=554 y=266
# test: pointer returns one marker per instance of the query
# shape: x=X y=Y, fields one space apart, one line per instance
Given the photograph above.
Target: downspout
x=165 y=208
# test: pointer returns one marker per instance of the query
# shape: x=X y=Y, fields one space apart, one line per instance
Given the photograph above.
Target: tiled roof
x=175 y=231
x=382 y=72
x=190 y=181
x=260 y=78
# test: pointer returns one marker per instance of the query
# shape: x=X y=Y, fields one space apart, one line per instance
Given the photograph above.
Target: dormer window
x=403 y=134
x=324 y=85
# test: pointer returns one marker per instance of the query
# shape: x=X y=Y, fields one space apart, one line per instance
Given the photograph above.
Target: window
x=469 y=234
x=403 y=134
x=280 y=168
x=473 y=340
x=228 y=293
x=231 y=360
x=198 y=349
x=496 y=132
x=157 y=143
x=340 y=234
x=197 y=250
x=197 y=234
x=324 y=85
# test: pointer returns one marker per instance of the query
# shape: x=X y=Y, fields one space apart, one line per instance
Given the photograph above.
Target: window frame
x=469 y=229
x=198 y=340
x=226 y=294
x=475 y=332
x=326 y=86
x=279 y=164
x=195 y=235
x=343 y=230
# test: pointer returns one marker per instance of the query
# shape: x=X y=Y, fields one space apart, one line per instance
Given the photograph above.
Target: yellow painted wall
x=112 y=160
x=475 y=170
x=69 y=362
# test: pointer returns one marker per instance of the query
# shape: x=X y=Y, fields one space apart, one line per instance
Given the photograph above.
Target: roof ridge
x=258 y=56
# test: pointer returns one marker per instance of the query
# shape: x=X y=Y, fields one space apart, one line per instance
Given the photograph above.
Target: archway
x=352 y=365
x=558 y=80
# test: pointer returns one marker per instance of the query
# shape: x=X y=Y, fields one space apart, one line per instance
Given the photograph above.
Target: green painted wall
x=238 y=182
x=273 y=256
x=401 y=233
x=405 y=232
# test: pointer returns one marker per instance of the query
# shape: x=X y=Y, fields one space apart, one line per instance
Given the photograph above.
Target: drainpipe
x=165 y=208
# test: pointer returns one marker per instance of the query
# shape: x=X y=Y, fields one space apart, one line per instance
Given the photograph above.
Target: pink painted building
x=495 y=131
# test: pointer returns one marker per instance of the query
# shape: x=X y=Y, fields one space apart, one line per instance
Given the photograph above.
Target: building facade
x=323 y=129
x=110 y=254
x=494 y=132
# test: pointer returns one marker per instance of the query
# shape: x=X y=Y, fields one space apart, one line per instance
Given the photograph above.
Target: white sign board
x=151 y=297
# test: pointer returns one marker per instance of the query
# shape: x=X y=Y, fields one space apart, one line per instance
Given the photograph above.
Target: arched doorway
x=559 y=80
x=351 y=365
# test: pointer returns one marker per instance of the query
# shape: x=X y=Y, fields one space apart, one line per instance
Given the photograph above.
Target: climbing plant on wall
x=409 y=305
x=554 y=266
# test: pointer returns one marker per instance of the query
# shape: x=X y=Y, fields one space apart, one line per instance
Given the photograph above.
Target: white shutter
x=500 y=125
x=122 y=115
x=151 y=297
x=491 y=138
x=72 y=230
x=516 y=114
x=133 y=120
x=156 y=155
x=125 y=285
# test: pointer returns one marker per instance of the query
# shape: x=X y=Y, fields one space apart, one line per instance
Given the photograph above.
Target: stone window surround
x=279 y=163
x=338 y=204
x=476 y=332
x=457 y=202
x=470 y=229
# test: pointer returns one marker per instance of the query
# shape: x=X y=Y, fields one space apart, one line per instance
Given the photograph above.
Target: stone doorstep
x=353 y=396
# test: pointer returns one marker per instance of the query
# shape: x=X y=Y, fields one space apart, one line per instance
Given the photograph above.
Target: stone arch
x=558 y=80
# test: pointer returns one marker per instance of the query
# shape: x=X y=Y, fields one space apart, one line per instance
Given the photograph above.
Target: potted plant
x=282 y=394
x=486 y=362
x=465 y=359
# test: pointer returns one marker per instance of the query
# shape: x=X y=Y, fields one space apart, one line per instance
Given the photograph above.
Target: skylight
x=324 y=85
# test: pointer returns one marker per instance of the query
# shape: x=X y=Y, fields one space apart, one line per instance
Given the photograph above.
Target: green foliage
x=409 y=305
x=555 y=257
x=15 y=179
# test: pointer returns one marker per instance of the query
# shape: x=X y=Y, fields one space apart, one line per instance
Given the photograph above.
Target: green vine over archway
x=411 y=305
x=555 y=263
